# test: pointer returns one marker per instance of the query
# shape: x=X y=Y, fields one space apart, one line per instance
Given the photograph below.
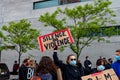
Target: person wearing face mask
x=116 y=64
x=99 y=66
x=69 y=70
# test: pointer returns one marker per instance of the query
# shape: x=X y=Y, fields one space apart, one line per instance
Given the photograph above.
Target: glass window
x=103 y=31
x=51 y=3
x=45 y=3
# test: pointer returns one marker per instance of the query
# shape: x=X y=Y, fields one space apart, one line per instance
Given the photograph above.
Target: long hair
x=67 y=60
x=46 y=65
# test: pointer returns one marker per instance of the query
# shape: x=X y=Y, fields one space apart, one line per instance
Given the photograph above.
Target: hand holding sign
x=56 y=48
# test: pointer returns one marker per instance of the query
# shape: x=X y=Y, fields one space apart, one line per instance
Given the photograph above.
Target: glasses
x=73 y=59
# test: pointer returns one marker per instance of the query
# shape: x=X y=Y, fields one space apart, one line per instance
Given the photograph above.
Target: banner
x=59 y=38
x=104 y=75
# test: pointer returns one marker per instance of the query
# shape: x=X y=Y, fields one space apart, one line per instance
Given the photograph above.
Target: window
x=102 y=31
x=51 y=3
x=45 y=3
x=106 y=31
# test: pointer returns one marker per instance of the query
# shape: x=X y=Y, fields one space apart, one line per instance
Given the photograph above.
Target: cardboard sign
x=104 y=75
x=59 y=38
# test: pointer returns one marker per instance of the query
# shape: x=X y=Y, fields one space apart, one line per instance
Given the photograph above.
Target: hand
x=56 y=47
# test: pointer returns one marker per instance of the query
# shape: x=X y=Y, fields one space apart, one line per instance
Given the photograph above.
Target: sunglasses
x=73 y=59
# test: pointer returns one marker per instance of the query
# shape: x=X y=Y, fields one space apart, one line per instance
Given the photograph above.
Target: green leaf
x=21 y=34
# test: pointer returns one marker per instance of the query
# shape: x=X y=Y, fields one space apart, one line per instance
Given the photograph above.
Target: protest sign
x=59 y=38
x=104 y=75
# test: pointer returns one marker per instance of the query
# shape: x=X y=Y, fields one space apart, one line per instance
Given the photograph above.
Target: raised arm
x=58 y=62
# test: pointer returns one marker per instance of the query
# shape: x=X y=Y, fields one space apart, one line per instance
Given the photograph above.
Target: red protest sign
x=59 y=38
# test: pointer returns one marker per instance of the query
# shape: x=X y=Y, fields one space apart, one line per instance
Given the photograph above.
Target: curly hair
x=46 y=65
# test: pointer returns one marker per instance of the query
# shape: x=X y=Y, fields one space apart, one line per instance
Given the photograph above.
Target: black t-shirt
x=25 y=73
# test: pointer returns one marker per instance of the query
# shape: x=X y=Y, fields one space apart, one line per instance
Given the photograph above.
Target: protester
x=116 y=64
x=23 y=70
x=15 y=68
x=69 y=71
x=47 y=69
x=106 y=64
x=36 y=66
x=99 y=66
x=32 y=63
x=87 y=65
x=110 y=60
x=32 y=66
x=31 y=69
x=81 y=68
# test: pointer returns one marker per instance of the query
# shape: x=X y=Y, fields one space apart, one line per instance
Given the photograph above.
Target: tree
x=85 y=23
x=20 y=35
x=2 y=45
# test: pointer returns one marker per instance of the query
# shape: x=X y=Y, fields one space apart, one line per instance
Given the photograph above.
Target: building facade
x=14 y=10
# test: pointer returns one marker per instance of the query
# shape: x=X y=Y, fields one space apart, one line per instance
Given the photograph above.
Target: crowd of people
x=46 y=69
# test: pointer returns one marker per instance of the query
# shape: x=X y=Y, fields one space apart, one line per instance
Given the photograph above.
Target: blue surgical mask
x=117 y=58
x=72 y=63
x=100 y=68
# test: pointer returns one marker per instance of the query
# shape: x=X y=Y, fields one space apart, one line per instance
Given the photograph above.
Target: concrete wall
x=13 y=10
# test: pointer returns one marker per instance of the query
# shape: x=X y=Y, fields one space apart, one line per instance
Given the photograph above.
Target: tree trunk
x=77 y=57
x=19 y=59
